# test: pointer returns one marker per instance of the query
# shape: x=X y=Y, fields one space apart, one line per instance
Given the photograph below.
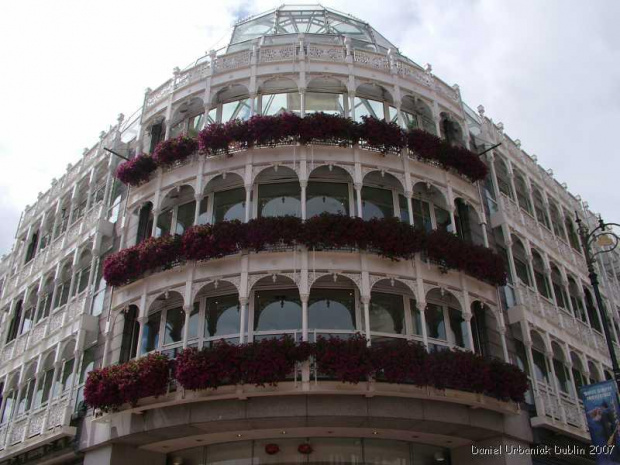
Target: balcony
x=559 y=413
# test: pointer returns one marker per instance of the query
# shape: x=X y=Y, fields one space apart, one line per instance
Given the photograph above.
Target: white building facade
x=61 y=319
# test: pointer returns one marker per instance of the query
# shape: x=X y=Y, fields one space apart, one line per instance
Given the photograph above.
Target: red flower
x=172 y=150
x=305 y=449
x=272 y=449
x=136 y=171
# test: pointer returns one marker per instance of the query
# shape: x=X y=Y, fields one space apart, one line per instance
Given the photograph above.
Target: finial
x=500 y=127
x=535 y=157
x=518 y=143
x=428 y=68
x=481 y=110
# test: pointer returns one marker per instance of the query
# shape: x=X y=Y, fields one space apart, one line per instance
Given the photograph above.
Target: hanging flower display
x=387 y=237
x=316 y=128
x=271 y=361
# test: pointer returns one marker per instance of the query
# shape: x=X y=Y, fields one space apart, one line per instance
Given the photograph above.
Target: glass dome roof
x=306 y=19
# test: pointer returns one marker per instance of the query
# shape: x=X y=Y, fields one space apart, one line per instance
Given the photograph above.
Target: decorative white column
x=304 y=185
x=187 y=311
x=358 y=196
x=248 y=202
x=366 y=303
x=243 y=302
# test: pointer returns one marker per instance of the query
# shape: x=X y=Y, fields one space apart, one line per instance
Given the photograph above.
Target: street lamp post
x=605 y=238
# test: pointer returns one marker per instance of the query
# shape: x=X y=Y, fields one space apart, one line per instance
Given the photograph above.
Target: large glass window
x=458 y=327
x=279 y=199
x=229 y=205
x=377 y=203
x=277 y=310
x=222 y=316
x=332 y=104
x=435 y=324
x=164 y=223
x=273 y=104
x=239 y=109
x=368 y=107
x=150 y=335
x=194 y=322
x=404 y=209
x=421 y=215
x=387 y=313
x=331 y=309
x=7 y=413
x=45 y=388
x=327 y=197
x=175 y=322
x=25 y=398
x=185 y=217
x=442 y=217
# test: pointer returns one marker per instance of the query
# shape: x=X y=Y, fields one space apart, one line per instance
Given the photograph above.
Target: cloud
x=550 y=71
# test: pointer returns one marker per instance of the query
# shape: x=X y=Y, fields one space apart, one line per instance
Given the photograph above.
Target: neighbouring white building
x=60 y=319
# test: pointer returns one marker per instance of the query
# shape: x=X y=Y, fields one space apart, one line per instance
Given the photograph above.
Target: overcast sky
x=549 y=70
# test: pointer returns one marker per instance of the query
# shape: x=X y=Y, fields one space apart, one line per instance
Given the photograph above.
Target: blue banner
x=600 y=402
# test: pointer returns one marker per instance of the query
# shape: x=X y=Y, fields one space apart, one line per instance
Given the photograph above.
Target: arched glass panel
x=540 y=366
x=277 y=310
x=435 y=324
x=377 y=203
x=175 y=322
x=368 y=107
x=327 y=197
x=387 y=313
x=421 y=215
x=223 y=315
x=273 y=104
x=332 y=104
x=458 y=326
x=279 y=199
x=229 y=205
x=331 y=309
x=239 y=109
x=150 y=335
x=9 y=403
x=185 y=217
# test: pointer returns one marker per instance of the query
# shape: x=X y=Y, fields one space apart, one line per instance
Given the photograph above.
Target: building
x=60 y=319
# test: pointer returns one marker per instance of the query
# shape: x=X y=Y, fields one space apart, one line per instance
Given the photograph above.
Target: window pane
x=150 y=336
x=367 y=107
x=7 y=413
x=327 y=197
x=443 y=218
x=239 y=109
x=421 y=215
x=84 y=275
x=332 y=104
x=416 y=317
x=67 y=375
x=277 y=310
x=164 y=223
x=435 y=325
x=273 y=104
x=194 y=320
x=386 y=313
x=331 y=309
x=185 y=217
x=377 y=203
x=175 y=321
x=229 y=205
x=202 y=214
x=222 y=315
x=459 y=328
x=279 y=199
x=540 y=366
x=404 y=209
x=196 y=124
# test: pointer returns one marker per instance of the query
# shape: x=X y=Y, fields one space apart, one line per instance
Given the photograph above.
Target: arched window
x=558 y=288
x=332 y=312
x=177 y=213
x=165 y=324
x=64 y=285
x=31 y=251
x=26 y=393
x=131 y=329
x=578 y=371
x=541 y=367
x=145 y=222
x=575 y=299
x=329 y=191
x=444 y=320
x=45 y=300
x=65 y=379
x=571 y=232
x=325 y=95
x=380 y=196
x=451 y=130
x=15 y=322
x=156 y=133
x=503 y=177
x=374 y=101
x=188 y=119
x=276 y=311
x=44 y=388
x=593 y=315
x=224 y=200
x=479 y=327
x=522 y=192
x=556 y=221
x=278 y=192
x=562 y=373
x=521 y=261
x=466 y=220
x=542 y=283
x=82 y=275
x=430 y=209
x=9 y=402
x=539 y=207
x=279 y=95
x=417 y=114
